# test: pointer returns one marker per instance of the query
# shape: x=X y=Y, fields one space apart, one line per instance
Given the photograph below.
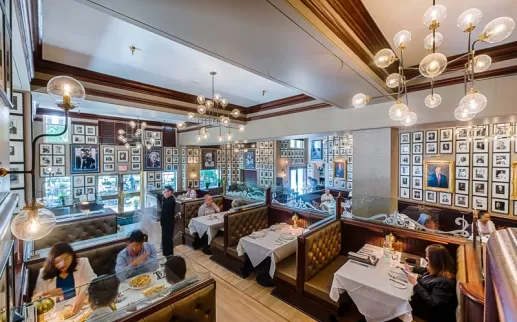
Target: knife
x=398 y=282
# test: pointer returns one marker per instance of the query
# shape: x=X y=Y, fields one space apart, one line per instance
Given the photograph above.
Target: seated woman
x=102 y=292
x=427 y=221
x=175 y=269
x=63 y=274
x=434 y=291
x=485 y=226
x=137 y=258
x=326 y=200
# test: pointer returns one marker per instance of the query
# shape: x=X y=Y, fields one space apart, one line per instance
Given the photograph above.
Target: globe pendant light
x=393 y=81
x=497 y=30
x=433 y=100
x=384 y=58
x=360 y=100
x=434 y=16
x=433 y=41
x=474 y=102
x=433 y=65
x=482 y=63
x=469 y=19
x=33 y=223
x=462 y=114
x=401 y=39
x=409 y=119
x=398 y=111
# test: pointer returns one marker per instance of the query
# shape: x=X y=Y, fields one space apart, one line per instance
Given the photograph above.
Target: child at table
x=102 y=293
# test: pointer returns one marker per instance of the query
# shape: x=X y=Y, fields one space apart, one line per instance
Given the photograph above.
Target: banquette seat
x=189 y=211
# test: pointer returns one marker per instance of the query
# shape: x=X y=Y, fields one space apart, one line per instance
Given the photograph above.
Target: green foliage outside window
x=209 y=176
x=55 y=129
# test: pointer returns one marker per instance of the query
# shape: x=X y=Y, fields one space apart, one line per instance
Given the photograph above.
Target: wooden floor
x=242 y=300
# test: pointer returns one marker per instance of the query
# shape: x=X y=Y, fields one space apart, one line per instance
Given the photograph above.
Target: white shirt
x=191 y=194
x=487 y=229
x=325 y=198
x=83 y=275
x=205 y=210
x=98 y=313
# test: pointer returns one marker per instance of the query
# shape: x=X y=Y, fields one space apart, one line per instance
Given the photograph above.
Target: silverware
x=361 y=264
x=398 y=282
x=397 y=278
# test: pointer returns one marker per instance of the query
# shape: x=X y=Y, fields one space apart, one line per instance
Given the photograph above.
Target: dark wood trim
x=291 y=111
x=297 y=99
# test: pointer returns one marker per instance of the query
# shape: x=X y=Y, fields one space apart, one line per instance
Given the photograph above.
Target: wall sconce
x=193 y=173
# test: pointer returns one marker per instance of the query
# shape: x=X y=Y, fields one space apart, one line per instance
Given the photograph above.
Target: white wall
x=501 y=94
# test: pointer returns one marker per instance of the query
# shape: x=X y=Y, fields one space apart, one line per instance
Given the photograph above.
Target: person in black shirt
x=167 y=220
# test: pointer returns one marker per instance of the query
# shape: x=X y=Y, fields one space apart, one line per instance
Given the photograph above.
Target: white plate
x=287 y=237
x=397 y=285
x=140 y=287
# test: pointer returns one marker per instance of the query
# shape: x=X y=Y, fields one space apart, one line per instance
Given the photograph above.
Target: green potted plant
x=207 y=184
x=62 y=198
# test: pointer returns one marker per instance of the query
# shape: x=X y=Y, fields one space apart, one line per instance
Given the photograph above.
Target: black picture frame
x=90 y=158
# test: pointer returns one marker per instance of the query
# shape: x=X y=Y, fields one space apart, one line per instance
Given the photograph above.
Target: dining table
x=209 y=224
x=381 y=292
x=276 y=242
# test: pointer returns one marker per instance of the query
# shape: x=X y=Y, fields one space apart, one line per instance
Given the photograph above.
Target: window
x=296 y=144
x=169 y=179
x=209 y=176
x=53 y=125
x=297 y=179
x=57 y=191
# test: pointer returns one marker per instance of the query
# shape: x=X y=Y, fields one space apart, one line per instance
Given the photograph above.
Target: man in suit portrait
x=154 y=160
x=340 y=170
x=84 y=160
x=437 y=179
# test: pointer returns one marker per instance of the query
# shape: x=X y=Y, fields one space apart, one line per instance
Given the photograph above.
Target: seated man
x=191 y=193
x=137 y=258
x=208 y=207
x=326 y=200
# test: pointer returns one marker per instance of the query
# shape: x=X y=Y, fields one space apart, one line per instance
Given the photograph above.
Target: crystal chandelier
x=435 y=63
x=212 y=113
x=137 y=129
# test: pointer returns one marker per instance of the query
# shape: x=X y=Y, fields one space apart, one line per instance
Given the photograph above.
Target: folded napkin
x=258 y=234
x=366 y=259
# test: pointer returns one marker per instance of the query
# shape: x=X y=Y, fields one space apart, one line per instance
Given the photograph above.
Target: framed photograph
x=417 y=182
x=462 y=147
x=175 y=159
x=89 y=181
x=404 y=193
x=462 y=186
x=462 y=173
x=90 y=130
x=418 y=171
x=404 y=159
x=59 y=171
x=196 y=160
x=480 y=188
x=168 y=159
x=480 y=146
x=431 y=148
x=501 y=174
x=78 y=181
x=175 y=167
x=404 y=170
x=316 y=150
x=480 y=174
x=461 y=201
x=417 y=148
x=108 y=167
x=122 y=156
x=339 y=169
x=45 y=160
x=78 y=139
x=500 y=206
x=45 y=172
x=175 y=151
x=168 y=167
x=462 y=133
x=445 y=198
x=15 y=127
x=17 y=180
x=58 y=149
x=78 y=192
x=404 y=149
x=158 y=176
x=17 y=107
x=150 y=176
x=445 y=147
x=501 y=145
x=500 y=160
x=418 y=137
x=135 y=166
x=349 y=167
x=349 y=185
x=462 y=160
x=196 y=183
x=431 y=136
x=135 y=158
x=183 y=160
x=350 y=159
x=430 y=196
x=91 y=140
x=109 y=150
x=446 y=134
x=480 y=159
x=479 y=203
x=439 y=175
x=78 y=129
x=190 y=152
x=349 y=176
x=249 y=160
x=158 y=185
x=208 y=159
x=405 y=138
x=58 y=160
x=84 y=158
x=182 y=152
x=168 y=151
x=500 y=190
x=109 y=159
x=90 y=190
x=153 y=159
x=502 y=129
x=196 y=152
x=16 y=151
x=45 y=149
x=480 y=131
x=417 y=160
x=417 y=194
x=514 y=181
x=404 y=181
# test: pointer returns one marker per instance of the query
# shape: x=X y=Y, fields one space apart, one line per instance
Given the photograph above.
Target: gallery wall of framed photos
x=461 y=167
x=265 y=160
x=17 y=157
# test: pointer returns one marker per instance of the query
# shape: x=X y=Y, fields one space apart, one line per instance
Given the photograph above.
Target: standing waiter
x=167 y=219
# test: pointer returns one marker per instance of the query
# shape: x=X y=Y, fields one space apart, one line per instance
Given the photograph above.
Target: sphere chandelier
x=435 y=64
x=137 y=129
x=212 y=113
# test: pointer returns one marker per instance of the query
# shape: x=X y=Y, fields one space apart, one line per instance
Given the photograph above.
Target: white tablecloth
x=203 y=225
x=371 y=290
x=259 y=249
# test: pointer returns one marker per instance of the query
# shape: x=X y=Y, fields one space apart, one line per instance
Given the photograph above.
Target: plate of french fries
x=153 y=290
x=140 y=281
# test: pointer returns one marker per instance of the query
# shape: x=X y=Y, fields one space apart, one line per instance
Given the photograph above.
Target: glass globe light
x=241 y=128
x=138 y=145
x=437 y=40
x=143 y=125
x=474 y=102
x=223 y=102
x=217 y=97
x=497 y=30
x=229 y=136
x=209 y=104
x=66 y=90
x=132 y=124
x=433 y=65
x=198 y=137
x=201 y=109
x=225 y=121
x=33 y=223
x=148 y=146
x=398 y=111
x=409 y=119
x=401 y=39
x=127 y=145
x=205 y=136
x=121 y=132
x=124 y=140
x=190 y=115
x=181 y=125
x=235 y=113
x=120 y=137
x=393 y=80
x=384 y=58
x=462 y=114
x=220 y=138
x=434 y=16
x=138 y=132
x=469 y=19
x=433 y=100
x=360 y=100
x=201 y=99
x=482 y=63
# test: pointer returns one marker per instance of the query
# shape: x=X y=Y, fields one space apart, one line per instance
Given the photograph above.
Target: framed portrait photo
x=339 y=169
x=462 y=147
x=153 y=159
x=109 y=150
x=91 y=139
x=462 y=133
x=501 y=145
x=15 y=127
x=78 y=139
x=404 y=181
x=45 y=149
x=501 y=174
x=480 y=188
x=418 y=137
x=17 y=107
x=431 y=148
x=480 y=159
x=480 y=131
x=208 y=159
x=445 y=198
x=417 y=194
x=431 y=136
x=16 y=154
x=404 y=149
x=316 y=150
x=479 y=203
x=430 y=196
x=462 y=186
x=249 y=160
x=461 y=201
x=404 y=159
x=84 y=158
x=500 y=190
x=135 y=167
x=78 y=129
x=445 y=147
x=122 y=156
x=89 y=181
x=417 y=148
x=417 y=160
x=446 y=134
x=479 y=173
x=418 y=171
x=405 y=138
x=502 y=129
x=90 y=130
x=480 y=146
x=500 y=206
x=438 y=175
x=462 y=160
x=462 y=173
x=404 y=193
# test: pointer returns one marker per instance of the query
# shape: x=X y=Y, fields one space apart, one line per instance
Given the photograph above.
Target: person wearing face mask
x=64 y=276
x=137 y=258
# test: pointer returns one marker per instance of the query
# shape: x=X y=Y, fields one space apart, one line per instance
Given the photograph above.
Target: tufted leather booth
x=196 y=307
x=102 y=259
x=245 y=222
x=191 y=207
x=76 y=230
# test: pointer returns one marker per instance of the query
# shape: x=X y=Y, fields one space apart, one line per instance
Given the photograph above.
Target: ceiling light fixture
x=435 y=63
x=137 y=136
